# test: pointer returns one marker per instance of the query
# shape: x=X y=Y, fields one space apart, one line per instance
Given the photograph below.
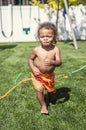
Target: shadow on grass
x=7 y=46
x=60 y=95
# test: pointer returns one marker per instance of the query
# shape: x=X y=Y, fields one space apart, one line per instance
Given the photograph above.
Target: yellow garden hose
x=14 y=87
x=27 y=79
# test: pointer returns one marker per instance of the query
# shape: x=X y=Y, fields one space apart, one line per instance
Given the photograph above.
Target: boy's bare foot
x=44 y=110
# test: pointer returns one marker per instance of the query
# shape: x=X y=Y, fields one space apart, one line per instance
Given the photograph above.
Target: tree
x=54 y=3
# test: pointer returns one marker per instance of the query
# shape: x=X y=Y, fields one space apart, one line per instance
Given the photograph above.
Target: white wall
x=22 y=18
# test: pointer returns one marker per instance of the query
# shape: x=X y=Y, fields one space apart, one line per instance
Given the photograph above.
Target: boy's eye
x=45 y=36
x=49 y=36
x=41 y=36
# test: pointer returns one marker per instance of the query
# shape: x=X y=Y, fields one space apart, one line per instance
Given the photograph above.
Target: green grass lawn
x=20 y=110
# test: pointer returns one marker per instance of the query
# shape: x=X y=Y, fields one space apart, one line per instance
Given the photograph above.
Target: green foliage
x=75 y=2
x=54 y=3
x=20 y=110
x=37 y=3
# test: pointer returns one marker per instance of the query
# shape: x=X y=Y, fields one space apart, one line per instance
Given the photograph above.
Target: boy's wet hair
x=49 y=25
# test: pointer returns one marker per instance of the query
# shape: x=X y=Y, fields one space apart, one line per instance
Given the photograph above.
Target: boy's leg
x=40 y=97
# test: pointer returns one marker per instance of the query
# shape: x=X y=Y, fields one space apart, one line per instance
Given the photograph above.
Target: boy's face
x=46 y=36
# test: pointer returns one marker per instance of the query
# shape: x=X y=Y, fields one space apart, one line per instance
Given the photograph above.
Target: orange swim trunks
x=45 y=80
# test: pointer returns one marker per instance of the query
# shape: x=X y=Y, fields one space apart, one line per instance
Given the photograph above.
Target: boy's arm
x=31 y=59
x=57 y=61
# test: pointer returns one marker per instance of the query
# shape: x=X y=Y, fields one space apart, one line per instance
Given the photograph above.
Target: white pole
x=74 y=39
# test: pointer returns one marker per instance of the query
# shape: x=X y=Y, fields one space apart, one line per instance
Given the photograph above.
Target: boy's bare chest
x=46 y=54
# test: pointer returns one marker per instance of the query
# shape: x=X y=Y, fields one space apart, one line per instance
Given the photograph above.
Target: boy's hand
x=36 y=71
